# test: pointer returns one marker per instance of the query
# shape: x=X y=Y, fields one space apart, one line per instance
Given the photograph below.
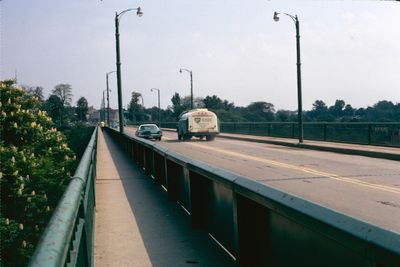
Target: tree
x=381 y=111
x=53 y=105
x=348 y=111
x=64 y=92
x=213 y=102
x=319 y=112
x=260 y=111
x=135 y=110
x=228 y=105
x=81 y=109
x=285 y=116
x=35 y=91
x=35 y=165
x=178 y=105
x=337 y=109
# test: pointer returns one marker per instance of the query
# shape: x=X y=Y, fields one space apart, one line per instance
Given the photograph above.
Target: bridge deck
x=136 y=226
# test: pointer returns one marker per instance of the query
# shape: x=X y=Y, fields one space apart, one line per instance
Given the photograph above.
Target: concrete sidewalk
x=135 y=223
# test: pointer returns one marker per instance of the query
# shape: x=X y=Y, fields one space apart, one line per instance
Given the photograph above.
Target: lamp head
x=276 y=18
x=139 y=12
x=180 y=70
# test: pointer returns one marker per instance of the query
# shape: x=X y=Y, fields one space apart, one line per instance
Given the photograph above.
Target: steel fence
x=382 y=134
x=69 y=237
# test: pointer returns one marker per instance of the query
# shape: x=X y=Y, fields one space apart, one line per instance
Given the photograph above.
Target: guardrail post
x=200 y=190
x=148 y=160
x=158 y=169
x=173 y=172
x=253 y=225
x=293 y=132
x=235 y=226
x=325 y=131
x=369 y=133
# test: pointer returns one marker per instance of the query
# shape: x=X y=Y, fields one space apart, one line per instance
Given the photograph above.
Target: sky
x=349 y=49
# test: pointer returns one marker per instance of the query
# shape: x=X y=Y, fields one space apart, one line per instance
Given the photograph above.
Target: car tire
x=210 y=137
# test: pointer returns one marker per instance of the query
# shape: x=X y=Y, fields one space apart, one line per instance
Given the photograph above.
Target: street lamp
x=159 y=110
x=103 y=107
x=191 y=86
x=141 y=96
x=108 y=98
x=118 y=17
x=299 y=97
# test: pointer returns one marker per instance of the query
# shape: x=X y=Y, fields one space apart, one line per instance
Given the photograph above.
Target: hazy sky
x=350 y=50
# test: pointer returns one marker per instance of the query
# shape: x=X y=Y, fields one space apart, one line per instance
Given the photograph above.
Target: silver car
x=149 y=131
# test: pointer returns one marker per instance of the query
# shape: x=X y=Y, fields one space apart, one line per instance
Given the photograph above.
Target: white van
x=199 y=123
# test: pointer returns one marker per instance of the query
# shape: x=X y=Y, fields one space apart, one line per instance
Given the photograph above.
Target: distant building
x=96 y=115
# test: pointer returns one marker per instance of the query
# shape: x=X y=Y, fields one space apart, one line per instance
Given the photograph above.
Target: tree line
x=58 y=104
x=262 y=111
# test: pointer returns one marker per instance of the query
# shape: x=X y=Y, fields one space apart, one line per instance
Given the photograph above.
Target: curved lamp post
x=159 y=110
x=118 y=17
x=108 y=98
x=103 y=104
x=191 y=86
x=299 y=97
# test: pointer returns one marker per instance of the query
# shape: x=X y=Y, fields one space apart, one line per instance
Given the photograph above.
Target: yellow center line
x=298 y=168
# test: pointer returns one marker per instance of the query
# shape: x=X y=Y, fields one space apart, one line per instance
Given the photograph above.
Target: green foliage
x=135 y=110
x=78 y=136
x=35 y=165
x=64 y=93
x=383 y=111
x=81 y=109
x=53 y=106
x=35 y=91
x=259 y=111
x=178 y=106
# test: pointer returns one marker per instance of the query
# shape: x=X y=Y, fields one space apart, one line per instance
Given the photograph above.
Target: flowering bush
x=35 y=164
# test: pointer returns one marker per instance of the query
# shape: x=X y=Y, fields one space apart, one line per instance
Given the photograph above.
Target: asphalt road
x=361 y=187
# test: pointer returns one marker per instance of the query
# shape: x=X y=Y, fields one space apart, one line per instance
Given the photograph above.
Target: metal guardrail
x=260 y=225
x=69 y=237
x=383 y=134
x=368 y=133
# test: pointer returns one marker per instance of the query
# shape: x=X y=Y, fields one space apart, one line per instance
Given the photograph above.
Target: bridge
x=240 y=200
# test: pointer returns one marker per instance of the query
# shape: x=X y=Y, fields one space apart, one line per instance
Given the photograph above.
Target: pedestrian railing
x=260 y=225
x=365 y=133
x=382 y=134
x=68 y=237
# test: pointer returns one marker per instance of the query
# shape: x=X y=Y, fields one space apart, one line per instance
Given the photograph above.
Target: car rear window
x=149 y=127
